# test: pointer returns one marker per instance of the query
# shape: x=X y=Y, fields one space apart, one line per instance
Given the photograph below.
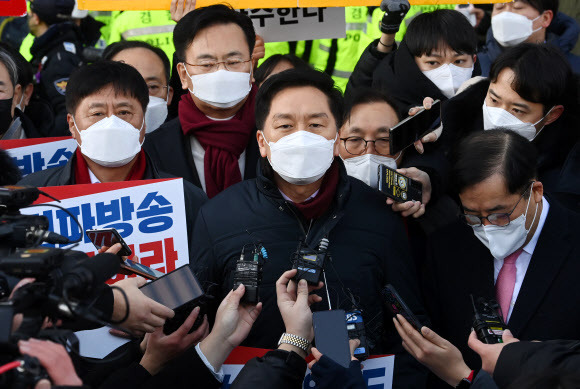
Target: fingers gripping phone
x=413 y=128
x=399 y=187
x=398 y=307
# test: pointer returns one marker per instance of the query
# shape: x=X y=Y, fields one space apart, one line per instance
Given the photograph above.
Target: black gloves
x=395 y=11
x=328 y=374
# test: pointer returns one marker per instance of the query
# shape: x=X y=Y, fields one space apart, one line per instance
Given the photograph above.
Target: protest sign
x=12 y=7
x=149 y=215
x=36 y=154
x=377 y=370
x=296 y=24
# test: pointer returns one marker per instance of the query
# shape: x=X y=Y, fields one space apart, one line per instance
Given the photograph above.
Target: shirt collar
x=94 y=179
x=531 y=246
x=289 y=199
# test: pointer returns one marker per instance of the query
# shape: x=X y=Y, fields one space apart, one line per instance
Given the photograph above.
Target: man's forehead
x=110 y=96
x=208 y=41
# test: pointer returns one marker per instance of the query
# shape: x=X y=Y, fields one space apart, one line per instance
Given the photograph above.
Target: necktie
x=506 y=281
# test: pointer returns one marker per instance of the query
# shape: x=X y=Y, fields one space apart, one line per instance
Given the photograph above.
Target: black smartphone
x=397 y=306
x=331 y=335
x=132 y=267
x=108 y=237
x=413 y=128
x=399 y=187
x=181 y=291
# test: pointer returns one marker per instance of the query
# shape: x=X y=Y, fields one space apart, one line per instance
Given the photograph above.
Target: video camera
x=66 y=284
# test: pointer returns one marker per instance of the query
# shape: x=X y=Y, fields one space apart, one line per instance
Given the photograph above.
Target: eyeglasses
x=234 y=65
x=156 y=89
x=497 y=219
x=355 y=145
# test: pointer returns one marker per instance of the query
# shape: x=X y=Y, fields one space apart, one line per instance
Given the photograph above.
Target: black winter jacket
x=368 y=246
x=170 y=150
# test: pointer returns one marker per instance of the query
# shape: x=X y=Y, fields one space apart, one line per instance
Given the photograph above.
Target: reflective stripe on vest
x=357 y=27
x=341 y=73
x=323 y=47
x=134 y=32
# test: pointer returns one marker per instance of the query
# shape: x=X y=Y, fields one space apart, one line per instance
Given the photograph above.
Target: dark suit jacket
x=459 y=264
x=170 y=150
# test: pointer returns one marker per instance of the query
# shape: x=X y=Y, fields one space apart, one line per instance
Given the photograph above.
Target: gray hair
x=7 y=60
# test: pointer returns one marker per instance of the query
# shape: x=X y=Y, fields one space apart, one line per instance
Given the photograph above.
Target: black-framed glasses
x=355 y=145
x=497 y=219
x=234 y=65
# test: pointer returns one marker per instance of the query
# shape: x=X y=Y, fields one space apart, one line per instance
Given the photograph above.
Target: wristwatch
x=295 y=340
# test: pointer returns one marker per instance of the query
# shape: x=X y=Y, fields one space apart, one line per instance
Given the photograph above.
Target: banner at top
x=149 y=5
x=12 y=7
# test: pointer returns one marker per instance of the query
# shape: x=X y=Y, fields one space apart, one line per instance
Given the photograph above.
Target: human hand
x=436 y=353
x=17 y=318
x=352 y=343
x=179 y=8
x=433 y=135
x=414 y=208
x=294 y=304
x=161 y=348
x=54 y=358
x=489 y=353
x=395 y=11
x=259 y=50
x=145 y=314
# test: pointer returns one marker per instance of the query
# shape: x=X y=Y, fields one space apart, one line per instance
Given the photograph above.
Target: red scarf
x=82 y=169
x=316 y=207
x=223 y=141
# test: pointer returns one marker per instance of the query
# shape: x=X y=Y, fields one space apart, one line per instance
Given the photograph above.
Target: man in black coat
x=302 y=194
x=532 y=91
x=212 y=143
x=515 y=246
x=56 y=53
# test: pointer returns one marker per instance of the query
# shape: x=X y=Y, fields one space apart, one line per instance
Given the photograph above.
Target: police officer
x=56 y=52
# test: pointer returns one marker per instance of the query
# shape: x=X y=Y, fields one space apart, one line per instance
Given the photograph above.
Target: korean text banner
x=149 y=215
x=145 y=5
x=12 y=7
x=377 y=370
x=36 y=154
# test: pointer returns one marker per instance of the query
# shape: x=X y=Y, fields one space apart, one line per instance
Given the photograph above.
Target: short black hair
x=369 y=96
x=115 y=48
x=542 y=74
x=266 y=68
x=485 y=153
x=89 y=79
x=196 y=20
x=295 y=78
x=543 y=5
x=428 y=31
x=23 y=67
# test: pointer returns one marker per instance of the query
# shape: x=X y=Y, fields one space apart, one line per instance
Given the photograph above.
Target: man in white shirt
x=516 y=247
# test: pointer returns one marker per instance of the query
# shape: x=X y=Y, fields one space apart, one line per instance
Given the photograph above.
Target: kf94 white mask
x=110 y=142
x=510 y=29
x=156 y=113
x=448 y=78
x=366 y=167
x=494 y=117
x=302 y=157
x=221 y=89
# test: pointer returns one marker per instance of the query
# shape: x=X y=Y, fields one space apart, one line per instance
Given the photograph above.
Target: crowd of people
x=270 y=148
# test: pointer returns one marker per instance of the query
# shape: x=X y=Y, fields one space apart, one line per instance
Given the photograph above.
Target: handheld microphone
x=90 y=274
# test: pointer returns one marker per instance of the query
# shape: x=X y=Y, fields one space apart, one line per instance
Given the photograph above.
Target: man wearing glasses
x=212 y=142
x=513 y=245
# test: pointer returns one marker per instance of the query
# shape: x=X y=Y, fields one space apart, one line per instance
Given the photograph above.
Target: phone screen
x=174 y=289
x=102 y=238
x=413 y=128
x=331 y=335
x=140 y=269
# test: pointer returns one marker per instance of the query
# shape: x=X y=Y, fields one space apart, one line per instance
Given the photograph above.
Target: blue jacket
x=562 y=33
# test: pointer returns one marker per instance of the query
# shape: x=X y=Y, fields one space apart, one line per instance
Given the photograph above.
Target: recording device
x=399 y=187
x=181 y=291
x=310 y=263
x=249 y=273
x=331 y=336
x=398 y=307
x=356 y=330
x=413 y=128
x=487 y=324
x=108 y=237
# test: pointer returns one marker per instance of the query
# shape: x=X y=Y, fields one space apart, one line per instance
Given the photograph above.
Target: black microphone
x=91 y=273
x=48 y=237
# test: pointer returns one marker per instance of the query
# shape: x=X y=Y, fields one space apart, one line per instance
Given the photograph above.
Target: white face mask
x=156 y=113
x=302 y=157
x=366 y=167
x=20 y=106
x=110 y=142
x=503 y=241
x=510 y=29
x=221 y=89
x=448 y=78
x=497 y=117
